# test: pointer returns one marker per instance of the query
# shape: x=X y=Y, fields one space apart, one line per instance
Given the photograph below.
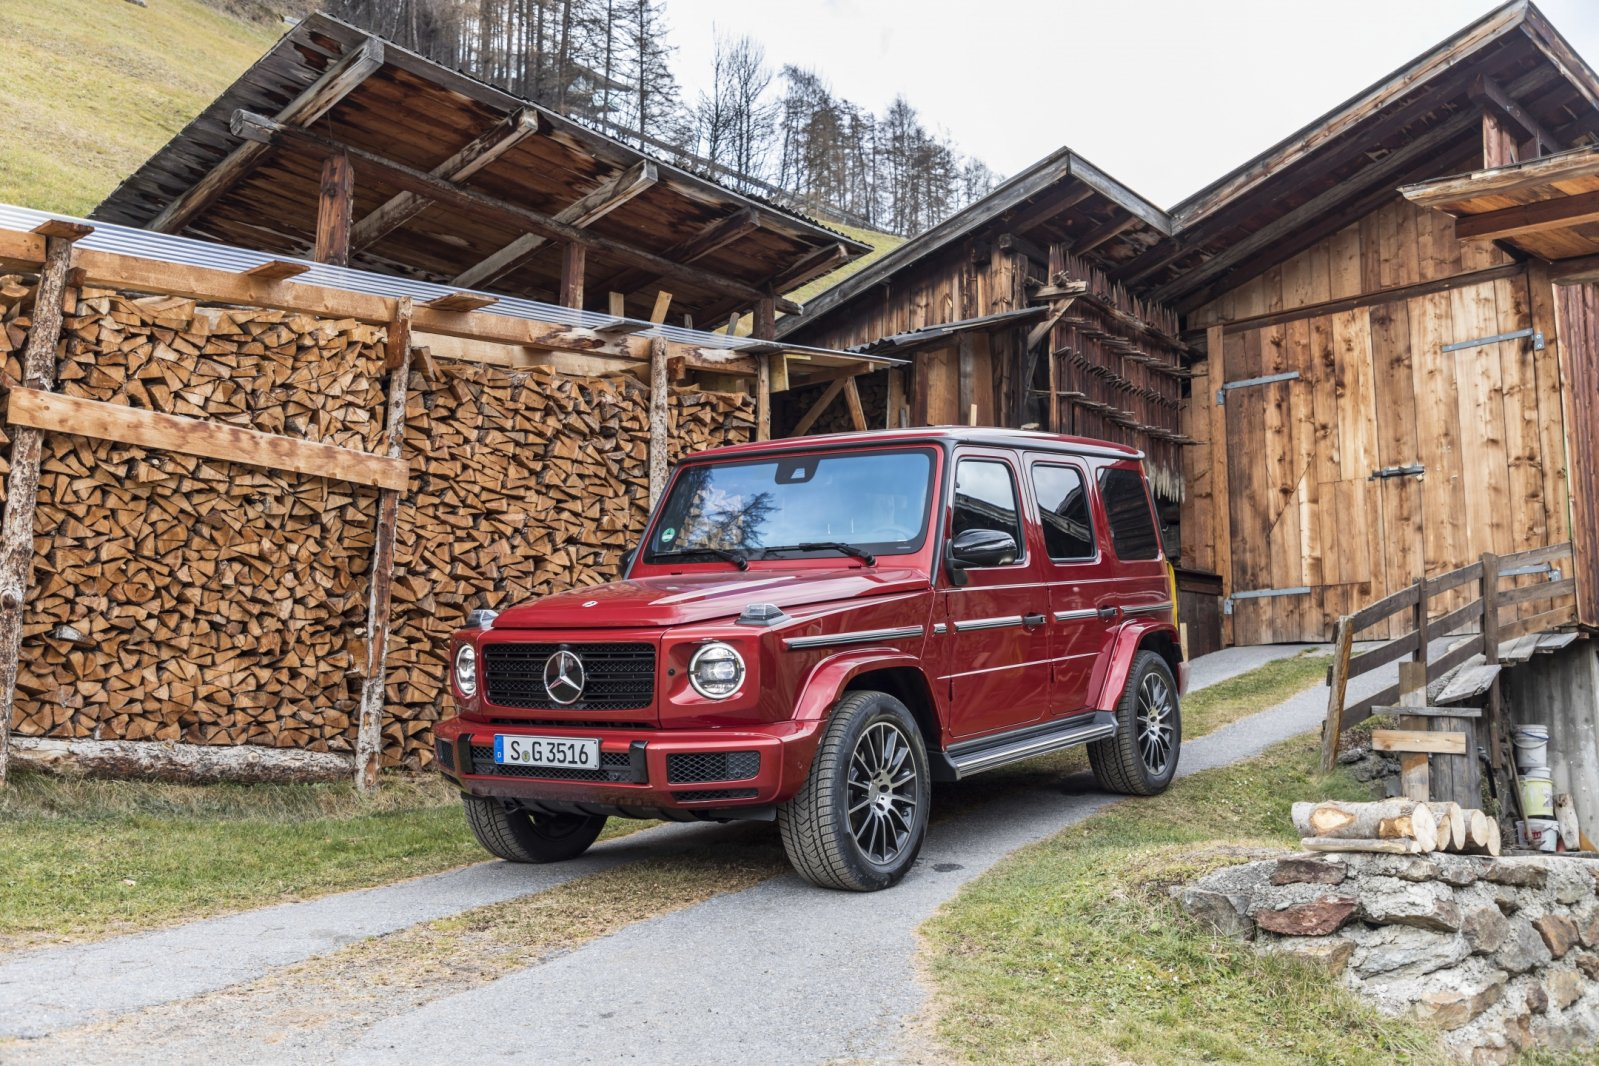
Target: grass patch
x=882 y=244
x=93 y=88
x=1071 y=951
x=1223 y=703
x=88 y=858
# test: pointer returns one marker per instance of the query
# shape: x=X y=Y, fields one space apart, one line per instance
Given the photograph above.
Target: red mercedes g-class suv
x=815 y=630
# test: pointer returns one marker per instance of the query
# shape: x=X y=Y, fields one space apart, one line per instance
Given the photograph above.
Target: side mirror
x=982 y=547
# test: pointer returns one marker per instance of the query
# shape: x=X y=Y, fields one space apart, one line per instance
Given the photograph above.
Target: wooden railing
x=1486 y=574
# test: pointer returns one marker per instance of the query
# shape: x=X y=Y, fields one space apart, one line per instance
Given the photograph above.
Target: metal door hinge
x=1414 y=470
x=1262 y=594
x=1535 y=334
x=1221 y=393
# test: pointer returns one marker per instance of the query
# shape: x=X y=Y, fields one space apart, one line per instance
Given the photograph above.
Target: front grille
x=620 y=677
x=614 y=766
x=692 y=768
x=707 y=794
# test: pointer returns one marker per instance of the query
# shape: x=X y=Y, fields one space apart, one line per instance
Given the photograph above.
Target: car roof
x=989 y=435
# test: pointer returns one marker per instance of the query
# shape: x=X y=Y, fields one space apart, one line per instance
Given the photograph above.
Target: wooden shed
x=1368 y=391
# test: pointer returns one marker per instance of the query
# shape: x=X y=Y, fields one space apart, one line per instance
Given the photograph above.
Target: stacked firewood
x=523 y=483
x=196 y=600
x=1396 y=827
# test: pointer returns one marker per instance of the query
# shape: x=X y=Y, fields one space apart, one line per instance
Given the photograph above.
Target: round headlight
x=466 y=670
x=716 y=671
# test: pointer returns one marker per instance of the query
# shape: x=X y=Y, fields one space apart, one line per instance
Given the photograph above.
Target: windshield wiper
x=721 y=553
x=828 y=545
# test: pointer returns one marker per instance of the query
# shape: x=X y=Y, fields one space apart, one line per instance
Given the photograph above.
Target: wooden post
x=663 y=302
x=660 y=415
x=1415 y=780
x=333 y=211
x=1420 y=615
x=1221 y=502
x=1490 y=654
x=852 y=401
x=1343 y=643
x=617 y=302
x=965 y=368
x=369 y=731
x=22 y=483
x=572 y=265
x=764 y=328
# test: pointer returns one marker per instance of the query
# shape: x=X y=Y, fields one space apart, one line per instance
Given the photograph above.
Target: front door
x=998 y=665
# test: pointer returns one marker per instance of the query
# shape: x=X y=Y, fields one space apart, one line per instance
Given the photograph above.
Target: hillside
x=95 y=87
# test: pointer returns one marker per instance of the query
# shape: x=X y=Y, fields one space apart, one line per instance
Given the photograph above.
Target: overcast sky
x=1165 y=95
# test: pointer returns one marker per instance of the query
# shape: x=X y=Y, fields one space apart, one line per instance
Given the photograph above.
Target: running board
x=985 y=753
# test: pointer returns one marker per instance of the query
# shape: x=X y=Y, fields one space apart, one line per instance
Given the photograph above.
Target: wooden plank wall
x=1579 y=354
x=1376 y=390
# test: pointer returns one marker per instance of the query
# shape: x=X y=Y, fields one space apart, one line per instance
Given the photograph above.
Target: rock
x=1518 y=873
x=1569 y=883
x=1459 y=871
x=1523 y=948
x=1537 y=999
x=1491 y=1056
x=1450 y=1008
x=1316 y=918
x=1325 y=953
x=1506 y=900
x=1484 y=929
x=1588 y=963
x=1559 y=933
x=1398 y=949
x=1587 y=919
x=1565 y=987
x=1306 y=871
x=1217 y=912
x=1427 y=905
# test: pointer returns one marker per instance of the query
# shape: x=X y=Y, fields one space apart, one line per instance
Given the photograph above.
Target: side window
x=1132 y=523
x=1064 y=512
x=985 y=498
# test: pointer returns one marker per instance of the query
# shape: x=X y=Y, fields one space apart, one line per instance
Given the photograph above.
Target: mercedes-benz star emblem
x=564 y=677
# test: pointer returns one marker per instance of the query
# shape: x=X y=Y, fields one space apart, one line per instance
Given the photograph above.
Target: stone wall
x=1501 y=955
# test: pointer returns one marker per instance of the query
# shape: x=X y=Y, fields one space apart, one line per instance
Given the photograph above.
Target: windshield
x=875 y=500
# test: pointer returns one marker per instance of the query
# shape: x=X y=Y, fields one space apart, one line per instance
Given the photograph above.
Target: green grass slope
x=94 y=87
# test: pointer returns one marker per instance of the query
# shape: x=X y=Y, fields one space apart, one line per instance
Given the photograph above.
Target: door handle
x=1108 y=614
x=1032 y=621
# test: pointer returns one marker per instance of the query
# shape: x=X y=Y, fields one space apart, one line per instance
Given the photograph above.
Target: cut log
x=1396 y=846
x=1482 y=837
x=1451 y=825
x=1386 y=820
x=1566 y=815
x=186 y=763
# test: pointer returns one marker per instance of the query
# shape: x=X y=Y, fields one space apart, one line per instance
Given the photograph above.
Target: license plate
x=560 y=752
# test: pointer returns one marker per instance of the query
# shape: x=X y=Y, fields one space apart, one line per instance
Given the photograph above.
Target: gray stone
x=1537 y=999
x=1523 y=948
x=1327 y=953
x=1588 y=963
x=1217 y=912
x=1559 y=933
x=1518 y=873
x=1406 y=950
x=1300 y=870
x=1459 y=871
x=1569 y=883
x=1454 y=1006
x=1565 y=987
x=1426 y=905
x=1507 y=900
x=1241 y=880
x=1484 y=929
x=1587 y=918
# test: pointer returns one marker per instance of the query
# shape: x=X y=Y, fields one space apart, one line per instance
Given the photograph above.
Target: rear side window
x=1132 y=523
x=1064 y=512
x=985 y=498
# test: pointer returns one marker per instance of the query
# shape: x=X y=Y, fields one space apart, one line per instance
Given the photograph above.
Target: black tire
x=517 y=836
x=1141 y=759
x=870 y=741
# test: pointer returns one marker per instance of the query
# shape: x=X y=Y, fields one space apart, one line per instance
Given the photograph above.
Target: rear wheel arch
x=1163 y=642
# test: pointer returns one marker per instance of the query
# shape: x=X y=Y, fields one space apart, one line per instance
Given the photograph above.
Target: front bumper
x=643 y=772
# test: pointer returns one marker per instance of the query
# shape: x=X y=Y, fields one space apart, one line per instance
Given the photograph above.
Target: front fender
x=1118 y=659
x=829 y=677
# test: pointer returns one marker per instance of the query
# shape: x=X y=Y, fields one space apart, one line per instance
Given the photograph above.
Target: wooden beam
x=22 y=480
x=461 y=302
x=1221 y=501
x=852 y=401
x=763 y=397
x=317 y=100
x=711 y=237
x=334 y=204
x=276 y=270
x=1529 y=218
x=663 y=303
x=660 y=417
x=617 y=302
x=1050 y=208
x=196 y=436
x=1488 y=92
x=257 y=128
x=1108 y=230
x=1418 y=740
x=587 y=210
x=808 y=419
x=573 y=258
x=1501 y=181
x=369 y=729
x=810 y=267
x=478 y=153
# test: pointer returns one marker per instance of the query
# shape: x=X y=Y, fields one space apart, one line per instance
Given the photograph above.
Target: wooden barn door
x=1385 y=441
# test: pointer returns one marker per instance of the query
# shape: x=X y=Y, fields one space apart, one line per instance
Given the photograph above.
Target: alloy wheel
x=1156 y=719
x=882 y=793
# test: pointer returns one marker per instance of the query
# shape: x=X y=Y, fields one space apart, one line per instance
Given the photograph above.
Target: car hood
x=682 y=598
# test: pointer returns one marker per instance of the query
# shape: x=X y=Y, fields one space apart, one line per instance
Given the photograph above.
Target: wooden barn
x=1341 y=386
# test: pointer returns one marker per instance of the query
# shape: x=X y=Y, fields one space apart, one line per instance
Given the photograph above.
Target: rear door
x=1076 y=573
x=998 y=663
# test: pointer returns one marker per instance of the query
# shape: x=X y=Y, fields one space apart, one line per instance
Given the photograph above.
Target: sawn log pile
x=204 y=601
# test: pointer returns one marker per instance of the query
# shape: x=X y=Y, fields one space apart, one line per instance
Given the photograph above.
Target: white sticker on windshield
x=667 y=534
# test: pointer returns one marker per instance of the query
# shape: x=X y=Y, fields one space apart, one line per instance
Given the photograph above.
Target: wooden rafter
x=477 y=154
x=1488 y=92
x=263 y=130
x=1050 y=208
x=1104 y=232
x=584 y=212
x=317 y=100
x=812 y=266
x=1529 y=218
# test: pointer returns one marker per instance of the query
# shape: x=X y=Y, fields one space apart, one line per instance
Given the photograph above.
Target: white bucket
x=1543 y=834
x=1537 y=793
x=1532 y=747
